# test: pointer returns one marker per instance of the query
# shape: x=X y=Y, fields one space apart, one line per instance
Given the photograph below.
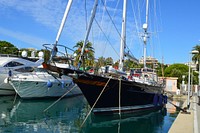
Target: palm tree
x=196 y=57
x=101 y=61
x=88 y=55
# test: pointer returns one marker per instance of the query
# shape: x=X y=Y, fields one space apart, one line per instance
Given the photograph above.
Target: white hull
x=5 y=88
x=9 y=63
x=35 y=86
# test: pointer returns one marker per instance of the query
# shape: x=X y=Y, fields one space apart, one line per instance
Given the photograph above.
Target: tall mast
x=145 y=27
x=54 y=50
x=87 y=32
x=123 y=37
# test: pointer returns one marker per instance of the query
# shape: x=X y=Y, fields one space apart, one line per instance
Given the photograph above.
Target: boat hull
x=5 y=87
x=42 y=84
x=113 y=95
x=110 y=95
x=32 y=89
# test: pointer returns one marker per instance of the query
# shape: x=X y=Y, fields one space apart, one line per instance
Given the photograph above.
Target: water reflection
x=26 y=116
x=148 y=122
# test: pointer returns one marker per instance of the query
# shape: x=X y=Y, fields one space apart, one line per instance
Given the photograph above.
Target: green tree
x=8 y=48
x=160 y=69
x=128 y=64
x=47 y=55
x=196 y=57
x=101 y=61
x=178 y=70
x=109 y=60
x=88 y=55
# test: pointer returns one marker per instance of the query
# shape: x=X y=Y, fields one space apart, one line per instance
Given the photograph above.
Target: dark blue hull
x=110 y=95
x=126 y=96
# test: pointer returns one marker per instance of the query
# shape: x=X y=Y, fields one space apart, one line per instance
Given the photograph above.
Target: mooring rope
x=120 y=85
x=95 y=102
x=60 y=98
x=16 y=92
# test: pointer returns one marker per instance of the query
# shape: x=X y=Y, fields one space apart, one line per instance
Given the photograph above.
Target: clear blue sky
x=29 y=24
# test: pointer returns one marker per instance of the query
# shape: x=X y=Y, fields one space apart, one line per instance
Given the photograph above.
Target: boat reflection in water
x=28 y=115
x=146 y=122
x=68 y=114
x=6 y=104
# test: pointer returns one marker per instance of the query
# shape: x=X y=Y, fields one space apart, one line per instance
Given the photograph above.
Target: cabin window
x=13 y=64
x=25 y=69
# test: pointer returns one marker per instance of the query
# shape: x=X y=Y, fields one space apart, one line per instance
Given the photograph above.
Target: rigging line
x=60 y=98
x=101 y=23
x=111 y=19
x=140 y=18
x=159 y=26
x=136 y=20
x=114 y=14
x=86 y=15
x=113 y=22
x=134 y=14
x=96 y=101
x=156 y=26
x=139 y=15
x=159 y=5
x=106 y=37
x=102 y=17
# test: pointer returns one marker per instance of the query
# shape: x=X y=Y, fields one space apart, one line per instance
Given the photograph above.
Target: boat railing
x=8 y=55
x=63 y=51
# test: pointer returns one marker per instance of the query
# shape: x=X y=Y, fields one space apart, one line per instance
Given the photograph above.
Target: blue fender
x=155 y=100
x=160 y=100
x=49 y=84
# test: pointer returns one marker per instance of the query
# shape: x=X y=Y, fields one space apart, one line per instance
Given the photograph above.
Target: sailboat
x=113 y=91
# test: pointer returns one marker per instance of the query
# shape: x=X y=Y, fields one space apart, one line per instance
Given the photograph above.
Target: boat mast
x=123 y=37
x=145 y=26
x=54 y=50
x=87 y=32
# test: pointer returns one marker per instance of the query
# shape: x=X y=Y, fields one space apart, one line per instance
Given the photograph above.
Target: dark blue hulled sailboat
x=112 y=91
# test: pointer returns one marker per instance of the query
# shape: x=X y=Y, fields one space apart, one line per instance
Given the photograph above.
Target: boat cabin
x=145 y=74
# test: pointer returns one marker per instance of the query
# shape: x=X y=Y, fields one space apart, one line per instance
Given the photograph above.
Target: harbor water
x=67 y=116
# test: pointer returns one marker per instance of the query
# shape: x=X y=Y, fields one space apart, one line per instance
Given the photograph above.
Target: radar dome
x=24 y=54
